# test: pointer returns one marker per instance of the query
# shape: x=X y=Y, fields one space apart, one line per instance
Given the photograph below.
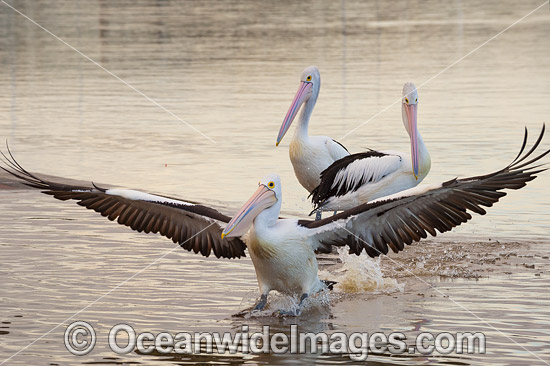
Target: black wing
x=411 y=215
x=195 y=227
x=348 y=174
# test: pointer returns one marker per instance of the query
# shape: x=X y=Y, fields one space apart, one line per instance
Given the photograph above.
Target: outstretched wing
x=353 y=171
x=195 y=227
x=408 y=216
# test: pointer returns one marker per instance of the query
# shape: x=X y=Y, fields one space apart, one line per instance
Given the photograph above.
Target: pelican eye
x=407 y=100
x=271 y=185
x=416 y=100
x=308 y=78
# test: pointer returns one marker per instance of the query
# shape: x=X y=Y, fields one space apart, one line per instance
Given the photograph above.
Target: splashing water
x=281 y=302
x=356 y=274
x=362 y=274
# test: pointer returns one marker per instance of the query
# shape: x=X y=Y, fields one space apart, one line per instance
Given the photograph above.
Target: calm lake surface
x=230 y=70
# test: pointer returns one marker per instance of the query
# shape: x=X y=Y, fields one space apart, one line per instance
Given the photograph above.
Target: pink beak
x=299 y=99
x=243 y=220
x=410 y=110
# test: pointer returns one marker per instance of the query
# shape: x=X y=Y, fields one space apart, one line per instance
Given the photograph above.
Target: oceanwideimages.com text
x=80 y=339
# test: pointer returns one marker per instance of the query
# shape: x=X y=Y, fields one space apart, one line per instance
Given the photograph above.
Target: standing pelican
x=283 y=250
x=363 y=177
x=310 y=155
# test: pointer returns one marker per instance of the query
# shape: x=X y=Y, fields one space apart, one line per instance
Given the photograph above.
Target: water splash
x=359 y=274
x=280 y=302
x=355 y=274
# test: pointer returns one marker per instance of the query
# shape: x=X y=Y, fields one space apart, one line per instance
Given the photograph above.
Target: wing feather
x=408 y=216
x=195 y=227
x=349 y=173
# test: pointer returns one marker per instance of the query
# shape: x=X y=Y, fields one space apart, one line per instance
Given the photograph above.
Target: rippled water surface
x=207 y=86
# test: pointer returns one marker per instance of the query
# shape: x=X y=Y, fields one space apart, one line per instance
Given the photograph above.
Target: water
x=230 y=69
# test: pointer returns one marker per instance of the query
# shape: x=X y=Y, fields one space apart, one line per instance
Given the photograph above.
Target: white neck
x=268 y=217
x=301 y=131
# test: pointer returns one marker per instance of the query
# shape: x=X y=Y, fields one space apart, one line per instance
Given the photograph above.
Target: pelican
x=365 y=176
x=310 y=155
x=283 y=250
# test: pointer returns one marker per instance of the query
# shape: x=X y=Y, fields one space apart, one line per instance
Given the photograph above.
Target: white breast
x=310 y=157
x=283 y=260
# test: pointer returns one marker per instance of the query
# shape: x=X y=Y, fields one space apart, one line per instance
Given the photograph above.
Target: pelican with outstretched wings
x=283 y=250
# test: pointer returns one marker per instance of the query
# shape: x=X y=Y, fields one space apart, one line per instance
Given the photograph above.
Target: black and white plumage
x=352 y=172
x=195 y=227
x=365 y=176
x=283 y=250
x=411 y=215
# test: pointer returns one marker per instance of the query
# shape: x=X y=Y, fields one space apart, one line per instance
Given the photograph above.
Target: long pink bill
x=243 y=220
x=410 y=110
x=299 y=99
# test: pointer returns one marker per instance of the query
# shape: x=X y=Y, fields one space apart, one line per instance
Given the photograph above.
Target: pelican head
x=266 y=198
x=310 y=83
x=409 y=110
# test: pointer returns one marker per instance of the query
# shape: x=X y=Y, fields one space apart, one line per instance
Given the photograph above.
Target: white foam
x=359 y=274
x=280 y=302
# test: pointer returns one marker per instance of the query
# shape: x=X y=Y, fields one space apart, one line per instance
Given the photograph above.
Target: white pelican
x=310 y=155
x=283 y=250
x=363 y=177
